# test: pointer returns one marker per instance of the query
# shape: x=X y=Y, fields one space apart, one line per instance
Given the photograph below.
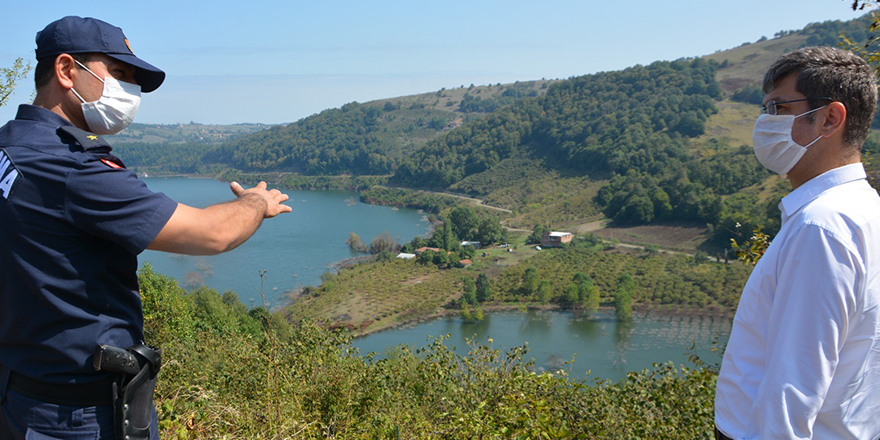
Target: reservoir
x=293 y=249
x=557 y=340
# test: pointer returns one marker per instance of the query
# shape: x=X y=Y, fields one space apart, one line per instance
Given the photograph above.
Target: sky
x=279 y=61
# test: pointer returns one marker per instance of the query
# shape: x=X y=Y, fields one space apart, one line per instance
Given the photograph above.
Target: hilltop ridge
x=644 y=146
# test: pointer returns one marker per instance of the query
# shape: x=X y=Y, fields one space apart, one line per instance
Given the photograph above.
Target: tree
x=869 y=50
x=9 y=76
x=355 y=243
x=483 y=286
x=440 y=258
x=452 y=260
x=478 y=314
x=587 y=293
x=465 y=222
x=469 y=295
x=544 y=291
x=537 y=233
x=465 y=312
x=570 y=296
x=384 y=242
x=445 y=238
x=490 y=231
x=425 y=258
x=623 y=298
x=530 y=281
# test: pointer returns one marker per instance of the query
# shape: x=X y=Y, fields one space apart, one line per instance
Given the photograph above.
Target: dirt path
x=475 y=201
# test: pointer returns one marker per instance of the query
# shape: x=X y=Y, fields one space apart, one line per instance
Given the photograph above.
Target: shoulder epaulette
x=86 y=140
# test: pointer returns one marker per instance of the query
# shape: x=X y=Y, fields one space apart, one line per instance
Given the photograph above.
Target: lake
x=600 y=345
x=294 y=249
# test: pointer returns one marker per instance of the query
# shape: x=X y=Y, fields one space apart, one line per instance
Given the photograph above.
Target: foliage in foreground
x=234 y=373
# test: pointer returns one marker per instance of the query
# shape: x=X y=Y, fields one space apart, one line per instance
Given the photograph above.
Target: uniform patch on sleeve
x=9 y=176
x=111 y=164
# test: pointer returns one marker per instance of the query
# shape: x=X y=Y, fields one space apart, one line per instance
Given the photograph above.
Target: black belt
x=82 y=394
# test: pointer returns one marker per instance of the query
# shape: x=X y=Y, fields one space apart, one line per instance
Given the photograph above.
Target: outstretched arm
x=221 y=227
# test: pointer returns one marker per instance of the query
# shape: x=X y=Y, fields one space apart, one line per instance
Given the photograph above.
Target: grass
x=680 y=237
x=552 y=199
x=375 y=296
x=728 y=129
x=439 y=100
x=747 y=64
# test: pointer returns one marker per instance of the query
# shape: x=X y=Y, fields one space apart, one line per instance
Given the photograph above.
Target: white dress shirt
x=803 y=359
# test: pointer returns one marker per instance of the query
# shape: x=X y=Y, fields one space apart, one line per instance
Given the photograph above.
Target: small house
x=423 y=249
x=464 y=263
x=406 y=256
x=555 y=239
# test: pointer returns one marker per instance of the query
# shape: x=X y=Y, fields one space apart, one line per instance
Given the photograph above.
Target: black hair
x=829 y=72
x=45 y=69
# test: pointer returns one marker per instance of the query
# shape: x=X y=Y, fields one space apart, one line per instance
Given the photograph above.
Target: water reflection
x=537 y=323
x=589 y=327
x=597 y=343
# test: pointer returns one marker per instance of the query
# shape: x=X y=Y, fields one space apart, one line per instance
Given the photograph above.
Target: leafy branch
x=752 y=249
x=9 y=76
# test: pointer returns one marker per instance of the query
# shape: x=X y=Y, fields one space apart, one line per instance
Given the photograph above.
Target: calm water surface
x=599 y=345
x=297 y=248
x=294 y=248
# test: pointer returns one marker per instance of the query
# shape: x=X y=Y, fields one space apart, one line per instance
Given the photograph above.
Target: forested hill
x=664 y=142
x=633 y=119
x=368 y=138
x=378 y=137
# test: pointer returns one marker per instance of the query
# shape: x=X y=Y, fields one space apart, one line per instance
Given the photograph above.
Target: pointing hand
x=273 y=198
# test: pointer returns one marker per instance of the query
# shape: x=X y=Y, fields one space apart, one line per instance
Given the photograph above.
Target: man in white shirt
x=803 y=360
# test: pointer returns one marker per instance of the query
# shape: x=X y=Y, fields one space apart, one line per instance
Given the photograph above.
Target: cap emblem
x=128 y=46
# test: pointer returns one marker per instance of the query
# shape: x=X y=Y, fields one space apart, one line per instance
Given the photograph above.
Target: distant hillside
x=667 y=142
x=180 y=133
x=368 y=138
x=745 y=65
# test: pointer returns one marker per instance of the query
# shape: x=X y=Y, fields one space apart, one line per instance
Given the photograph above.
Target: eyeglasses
x=770 y=107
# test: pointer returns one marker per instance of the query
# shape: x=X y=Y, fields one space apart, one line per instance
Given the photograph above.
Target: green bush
x=227 y=378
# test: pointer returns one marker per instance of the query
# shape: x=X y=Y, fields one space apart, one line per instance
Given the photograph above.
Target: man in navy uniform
x=73 y=222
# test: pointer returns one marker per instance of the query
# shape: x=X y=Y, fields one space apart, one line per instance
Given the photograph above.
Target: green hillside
x=183 y=133
x=650 y=146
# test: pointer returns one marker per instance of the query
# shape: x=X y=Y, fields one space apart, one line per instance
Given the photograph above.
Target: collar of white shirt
x=805 y=193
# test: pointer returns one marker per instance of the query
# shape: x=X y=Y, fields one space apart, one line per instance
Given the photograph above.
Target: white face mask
x=774 y=147
x=116 y=107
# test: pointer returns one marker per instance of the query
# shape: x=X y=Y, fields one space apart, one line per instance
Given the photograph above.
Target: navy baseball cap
x=89 y=35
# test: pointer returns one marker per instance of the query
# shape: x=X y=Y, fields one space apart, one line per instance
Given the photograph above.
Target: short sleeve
x=113 y=204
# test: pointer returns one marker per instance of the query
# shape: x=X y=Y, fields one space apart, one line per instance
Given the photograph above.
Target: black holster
x=133 y=389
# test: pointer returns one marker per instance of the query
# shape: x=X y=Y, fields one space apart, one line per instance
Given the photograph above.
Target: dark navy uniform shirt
x=72 y=222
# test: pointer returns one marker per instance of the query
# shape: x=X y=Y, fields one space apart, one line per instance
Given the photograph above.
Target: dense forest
x=333 y=141
x=613 y=121
x=633 y=124
x=637 y=137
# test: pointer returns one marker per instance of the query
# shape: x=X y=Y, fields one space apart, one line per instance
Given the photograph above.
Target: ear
x=835 y=119
x=64 y=70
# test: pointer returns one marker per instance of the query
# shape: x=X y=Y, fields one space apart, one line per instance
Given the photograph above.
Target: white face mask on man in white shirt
x=774 y=147
x=116 y=107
